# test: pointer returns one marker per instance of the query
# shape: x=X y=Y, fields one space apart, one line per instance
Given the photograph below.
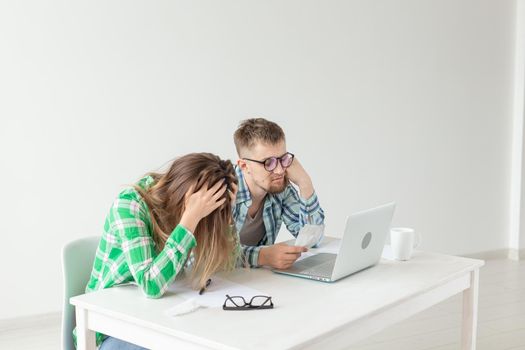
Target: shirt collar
x=243 y=192
x=146 y=182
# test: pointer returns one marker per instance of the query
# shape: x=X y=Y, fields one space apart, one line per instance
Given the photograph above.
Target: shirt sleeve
x=296 y=211
x=250 y=255
x=152 y=272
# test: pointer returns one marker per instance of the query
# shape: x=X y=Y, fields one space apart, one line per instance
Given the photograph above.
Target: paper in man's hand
x=309 y=235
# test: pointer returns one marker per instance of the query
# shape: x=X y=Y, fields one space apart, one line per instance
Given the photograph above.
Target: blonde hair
x=255 y=130
x=217 y=243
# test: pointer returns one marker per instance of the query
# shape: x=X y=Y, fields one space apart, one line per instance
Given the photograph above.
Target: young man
x=266 y=197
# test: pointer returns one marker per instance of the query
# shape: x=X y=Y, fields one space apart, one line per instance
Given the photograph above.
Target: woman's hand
x=201 y=204
x=233 y=193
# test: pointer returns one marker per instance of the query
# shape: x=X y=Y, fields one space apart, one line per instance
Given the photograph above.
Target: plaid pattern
x=126 y=252
x=287 y=207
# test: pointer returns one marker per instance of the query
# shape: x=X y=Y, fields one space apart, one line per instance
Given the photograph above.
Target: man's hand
x=280 y=256
x=300 y=177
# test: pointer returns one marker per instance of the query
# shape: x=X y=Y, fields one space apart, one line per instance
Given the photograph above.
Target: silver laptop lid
x=363 y=240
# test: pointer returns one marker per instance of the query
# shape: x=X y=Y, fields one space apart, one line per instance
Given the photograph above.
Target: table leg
x=85 y=337
x=470 y=313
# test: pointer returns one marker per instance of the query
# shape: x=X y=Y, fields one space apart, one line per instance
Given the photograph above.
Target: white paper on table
x=309 y=235
x=214 y=295
x=183 y=308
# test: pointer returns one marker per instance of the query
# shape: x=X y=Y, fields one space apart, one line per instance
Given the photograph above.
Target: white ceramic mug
x=403 y=240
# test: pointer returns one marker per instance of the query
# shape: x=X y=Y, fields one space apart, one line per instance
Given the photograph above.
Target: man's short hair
x=251 y=131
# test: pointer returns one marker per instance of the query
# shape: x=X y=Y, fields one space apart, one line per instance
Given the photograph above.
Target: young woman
x=152 y=228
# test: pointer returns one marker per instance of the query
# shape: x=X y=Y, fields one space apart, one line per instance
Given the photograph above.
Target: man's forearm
x=306 y=189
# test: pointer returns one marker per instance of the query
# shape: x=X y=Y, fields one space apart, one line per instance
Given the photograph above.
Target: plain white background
x=404 y=100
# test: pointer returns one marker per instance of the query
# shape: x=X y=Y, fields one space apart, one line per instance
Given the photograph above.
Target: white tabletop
x=305 y=310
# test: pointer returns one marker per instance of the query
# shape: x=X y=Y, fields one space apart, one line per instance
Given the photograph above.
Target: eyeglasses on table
x=238 y=303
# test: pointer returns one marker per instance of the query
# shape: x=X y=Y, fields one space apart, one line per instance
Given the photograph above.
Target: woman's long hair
x=216 y=238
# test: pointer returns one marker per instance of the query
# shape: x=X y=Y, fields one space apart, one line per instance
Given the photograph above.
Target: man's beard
x=274 y=189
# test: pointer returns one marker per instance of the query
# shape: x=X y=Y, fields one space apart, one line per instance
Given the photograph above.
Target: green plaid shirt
x=287 y=207
x=126 y=252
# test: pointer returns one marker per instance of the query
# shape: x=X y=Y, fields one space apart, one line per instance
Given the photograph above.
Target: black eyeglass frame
x=247 y=305
x=279 y=159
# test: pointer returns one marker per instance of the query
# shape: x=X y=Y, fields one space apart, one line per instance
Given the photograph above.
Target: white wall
x=408 y=101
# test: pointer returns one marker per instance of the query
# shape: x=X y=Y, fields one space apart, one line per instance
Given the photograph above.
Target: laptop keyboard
x=323 y=270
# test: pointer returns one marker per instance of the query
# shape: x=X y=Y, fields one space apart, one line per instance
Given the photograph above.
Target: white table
x=307 y=314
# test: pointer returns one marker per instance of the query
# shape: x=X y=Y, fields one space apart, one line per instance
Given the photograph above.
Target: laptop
x=361 y=247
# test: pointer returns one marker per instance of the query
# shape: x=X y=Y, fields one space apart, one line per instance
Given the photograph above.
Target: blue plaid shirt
x=287 y=207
